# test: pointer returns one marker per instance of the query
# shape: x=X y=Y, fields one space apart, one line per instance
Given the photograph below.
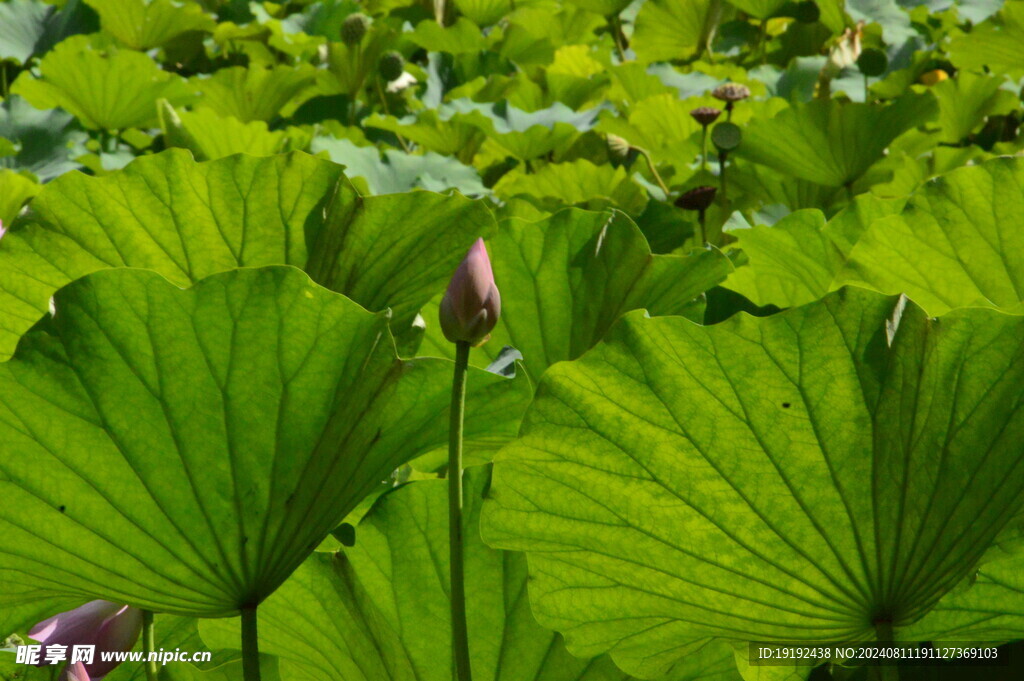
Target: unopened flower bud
x=75 y=672
x=111 y=627
x=354 y=28
x=698 y=198
x=391 y=66
x=471 y=305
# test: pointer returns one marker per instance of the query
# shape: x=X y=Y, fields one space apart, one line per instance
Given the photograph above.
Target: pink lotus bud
x=2 y=230
x=75 y=672
x=111 y=627
x=471 y=304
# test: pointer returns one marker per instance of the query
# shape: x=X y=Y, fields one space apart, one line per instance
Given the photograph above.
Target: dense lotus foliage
x=758 y=373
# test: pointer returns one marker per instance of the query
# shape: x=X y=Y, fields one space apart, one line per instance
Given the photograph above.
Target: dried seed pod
x=706 y=115
x=731 y=92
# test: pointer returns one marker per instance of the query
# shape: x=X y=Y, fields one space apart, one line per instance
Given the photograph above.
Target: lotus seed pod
x=354 y=28
x=472 y=304
x=872 y=62
x=698 y=198
x=726 y=136
x=731 y=92
x=391 y=66
x=706 y=115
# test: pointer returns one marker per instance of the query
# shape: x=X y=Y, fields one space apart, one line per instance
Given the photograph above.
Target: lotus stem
x=654 y=171
x=703 y=228
x=149 y=645
x=723 y=184
x=615 y=26
x=884 y=635
x=250 y=645
x=460 y=635
x=704 y=149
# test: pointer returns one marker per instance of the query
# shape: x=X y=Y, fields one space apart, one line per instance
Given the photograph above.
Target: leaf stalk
x=460 y=635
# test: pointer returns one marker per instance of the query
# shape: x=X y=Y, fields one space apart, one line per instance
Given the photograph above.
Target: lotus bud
x=705 y=115
x=354 y=28
x=111 y=627
x=75 y=672
x=698 y=198
x=471 y=305
x=2 y=230
x=391 y=66
x=934 y=77
x=618 y=147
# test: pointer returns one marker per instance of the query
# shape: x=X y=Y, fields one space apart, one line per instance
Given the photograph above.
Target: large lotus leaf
x=524 y=135
x=48 y=141
x=22 y=23
x=185 y=450
x=958 y=242
x=15 y=191
x=209 y=136
x=30 y=27
x=484 y=12
x=400 y=172
x=798 y=259
x=392 y=587
x=576 y=183
x=462 y=37
x=790 y=263
x=994 y=45
x=566 y=279
x=145 y=24
x=431 y=132
x=894 y=21
x=605 y=8
x=810 y=475
x=110 y=89
x=989 y=607
x=667 y=30
x=188 y=220
x=254 y=93
x=966 y=100
x=575 y=77
x=762 y=9
x=829 y=142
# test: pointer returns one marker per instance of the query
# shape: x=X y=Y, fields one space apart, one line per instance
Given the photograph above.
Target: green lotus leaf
x=449 y=137
x=389 y=593
x=22 y=23
x=957 y=243
x=524 y=135
x=462 y=37
x=566 y=279
x=674 y=29
x=578 y=182
x=484 y=12
x=798 y=259
x=15 y=191
x=889 y=14
x=189 y=220
x=48 y=141
x=255 y=93
x=29 y=27
x=812 y=475
x=145 y=24
x=995 y=45
x=605 y=8
x=575 y=77
x=399 y=172
x=209 y=136
x=762 y=9
x=966 y=101
x=108 y=89
x=829 y=142
x=793 y=262
x=190 y=448
x=989 y=607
